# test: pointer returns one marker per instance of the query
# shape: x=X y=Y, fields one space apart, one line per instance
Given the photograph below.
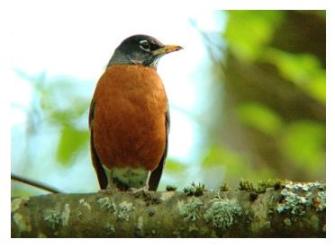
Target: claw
x=144 y=191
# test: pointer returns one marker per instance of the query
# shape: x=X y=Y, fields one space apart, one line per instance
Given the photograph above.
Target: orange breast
x=129 y=117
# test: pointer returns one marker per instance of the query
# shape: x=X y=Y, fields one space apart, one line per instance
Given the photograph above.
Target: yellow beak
x=166 y=49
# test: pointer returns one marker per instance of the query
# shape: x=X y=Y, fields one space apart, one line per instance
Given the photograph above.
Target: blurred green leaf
x=61 y=101
x=304 y=142
x=174 y=166
x=235 y=165
x=61 y=117
x=69 y=115
x=72 y=140
x=248 y=31
x=217 y=155
x=304 y=70
x=260 y=117
x=22 y=191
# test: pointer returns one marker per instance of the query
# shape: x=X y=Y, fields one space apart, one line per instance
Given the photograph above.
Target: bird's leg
x=144 y=189
x=111 y=186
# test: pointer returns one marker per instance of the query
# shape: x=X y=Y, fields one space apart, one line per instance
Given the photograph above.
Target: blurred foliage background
x=273 y=74
x=264 y=118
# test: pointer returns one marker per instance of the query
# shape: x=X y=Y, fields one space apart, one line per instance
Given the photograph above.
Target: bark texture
x=264 y=210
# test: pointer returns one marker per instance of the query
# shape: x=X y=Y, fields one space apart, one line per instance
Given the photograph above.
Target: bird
x=129 y=117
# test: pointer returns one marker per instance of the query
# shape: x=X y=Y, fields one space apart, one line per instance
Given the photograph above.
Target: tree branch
x=278 y=210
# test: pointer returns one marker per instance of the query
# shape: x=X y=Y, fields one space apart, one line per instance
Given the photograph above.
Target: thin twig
x=34 y=184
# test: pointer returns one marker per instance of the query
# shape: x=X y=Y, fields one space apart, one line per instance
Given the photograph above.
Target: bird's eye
x=144 y=45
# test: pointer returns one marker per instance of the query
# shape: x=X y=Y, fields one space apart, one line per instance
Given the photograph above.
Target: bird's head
x=141 y=49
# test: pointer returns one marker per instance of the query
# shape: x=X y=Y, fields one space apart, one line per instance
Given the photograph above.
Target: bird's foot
x=150 y=197
x=140 y=191
x=111 y=188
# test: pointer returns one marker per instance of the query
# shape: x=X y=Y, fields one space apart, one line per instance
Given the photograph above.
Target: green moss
x=191 y=209
x=171 y=188
x=195 y=190
x=222 y=214
x=246 y=185
x=270 y=183
x=261 y=186
x=224 y=187
x=253 y=196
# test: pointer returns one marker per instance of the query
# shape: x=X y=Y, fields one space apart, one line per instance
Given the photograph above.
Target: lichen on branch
x=263 y=210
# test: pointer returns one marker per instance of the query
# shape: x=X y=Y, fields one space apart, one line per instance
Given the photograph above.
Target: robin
x=129 y=116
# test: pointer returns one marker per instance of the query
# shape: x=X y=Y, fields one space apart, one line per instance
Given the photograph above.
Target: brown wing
x=155 y=175
x=102 y=178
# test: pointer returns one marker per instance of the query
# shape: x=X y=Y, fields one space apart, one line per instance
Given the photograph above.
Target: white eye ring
x=144 y=45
